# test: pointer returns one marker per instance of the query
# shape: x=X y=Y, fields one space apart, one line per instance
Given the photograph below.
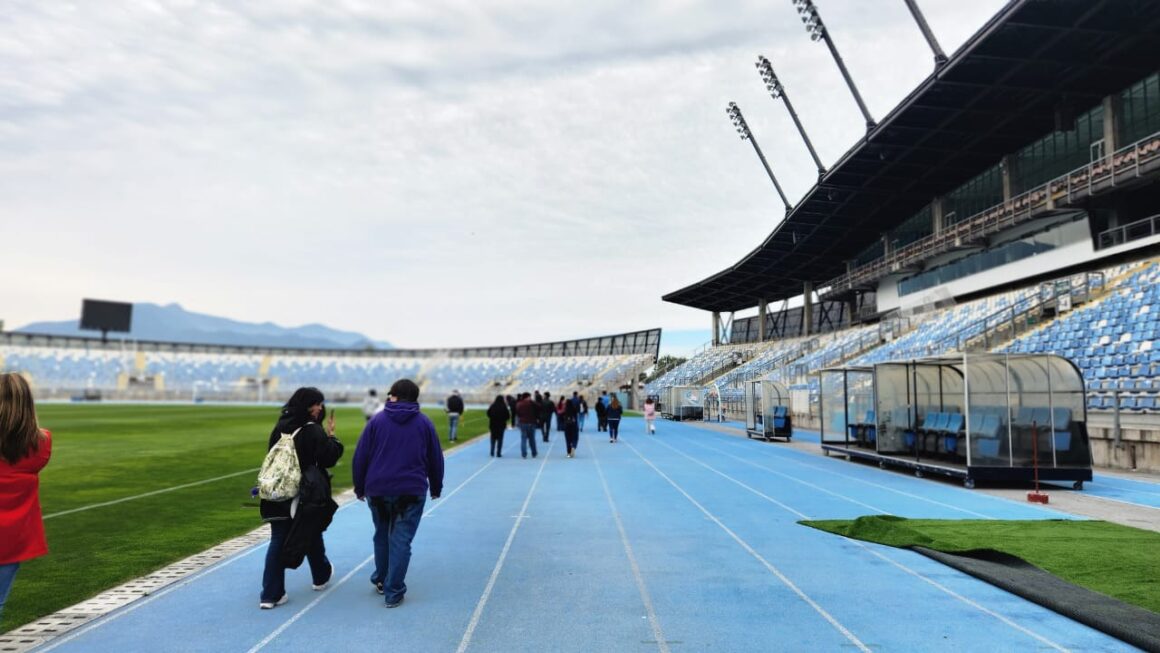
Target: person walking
x=527 y=412
x=397 y=460
x=371 y=404
x=561 y=409
x=571 y=425
x=511 y=404
x=614 y=413
x=497 y=417
x=650 y=416
x=313 y=446
x=582 y=416
x=24 y=450
x=547 y=409
x=454 y=411
x=601 y=415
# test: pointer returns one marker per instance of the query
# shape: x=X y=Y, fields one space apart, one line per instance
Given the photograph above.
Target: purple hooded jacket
x=398 y=453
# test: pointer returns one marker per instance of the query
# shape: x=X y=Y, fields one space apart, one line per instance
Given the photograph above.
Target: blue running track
x=683 y=541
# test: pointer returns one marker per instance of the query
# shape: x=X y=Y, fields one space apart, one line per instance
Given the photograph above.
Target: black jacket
x=601 y=409
x=455 y=404
x=498 y=414
x=314 y=448
x=315 y=511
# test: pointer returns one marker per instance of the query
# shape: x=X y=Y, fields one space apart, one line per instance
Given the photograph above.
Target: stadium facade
x=1035 y=140
x=1008 y=203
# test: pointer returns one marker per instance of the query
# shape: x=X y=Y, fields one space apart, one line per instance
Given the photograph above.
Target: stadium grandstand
x=62 y=367
x=1008 y=204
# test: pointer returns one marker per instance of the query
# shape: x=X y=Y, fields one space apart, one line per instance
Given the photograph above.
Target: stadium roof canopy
x=1005 y=87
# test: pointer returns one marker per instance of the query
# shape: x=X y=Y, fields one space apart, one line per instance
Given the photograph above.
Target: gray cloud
x=426 y=167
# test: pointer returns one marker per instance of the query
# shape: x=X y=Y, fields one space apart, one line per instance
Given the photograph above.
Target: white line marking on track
x=795 y=479
x=981 y=608
x=908 y=570
x=884 y=487
x=653 y=621
x=730 y=478
x=772 y=569
x=475 y=616
x=149 y=494
x=297 y=615
x=140 y=603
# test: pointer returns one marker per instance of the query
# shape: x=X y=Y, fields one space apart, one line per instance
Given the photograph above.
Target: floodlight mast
x=777 y=91
x=742 y=127
x=818 y=32
x=940 y=57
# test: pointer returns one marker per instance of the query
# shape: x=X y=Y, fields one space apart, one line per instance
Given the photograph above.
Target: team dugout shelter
x=1001 y=417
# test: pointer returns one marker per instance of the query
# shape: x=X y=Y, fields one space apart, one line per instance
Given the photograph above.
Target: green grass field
x=105 y=453
x=1116 y=560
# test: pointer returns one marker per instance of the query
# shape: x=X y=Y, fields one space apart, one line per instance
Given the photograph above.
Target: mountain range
x=172 y=323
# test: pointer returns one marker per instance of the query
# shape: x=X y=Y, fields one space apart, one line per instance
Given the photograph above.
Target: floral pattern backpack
x=280 y=476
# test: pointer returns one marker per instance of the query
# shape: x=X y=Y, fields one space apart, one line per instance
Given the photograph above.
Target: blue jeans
x=527 y=438
x=7 y=575
x=452 y=426
x=395 y=527
x=580 y=418
x=274 y=575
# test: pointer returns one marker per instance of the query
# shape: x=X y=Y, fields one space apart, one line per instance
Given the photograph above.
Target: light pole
x=818 y=32
x=777 y=91
x=734 y=113
x=939 y=56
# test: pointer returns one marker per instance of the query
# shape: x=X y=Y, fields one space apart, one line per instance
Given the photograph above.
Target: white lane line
x=772 y=569
x=298 y=615
x=309 y=607
x=973 y=604
x=140 y=603
x=795 y=479
x=768 y=498
x=149 y=494
x=475 y=616
x=918 y=575
x=916 y=497
x=653 y=621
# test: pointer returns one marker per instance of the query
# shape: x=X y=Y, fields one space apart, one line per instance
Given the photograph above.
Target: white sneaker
x=319 y=588
x=269 y=605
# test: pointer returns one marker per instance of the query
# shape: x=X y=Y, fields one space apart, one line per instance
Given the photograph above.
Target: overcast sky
x=432 y=173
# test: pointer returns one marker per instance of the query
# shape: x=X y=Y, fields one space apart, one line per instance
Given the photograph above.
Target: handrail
x=1009 y=212
x=1128 y=232
x=1007 y=315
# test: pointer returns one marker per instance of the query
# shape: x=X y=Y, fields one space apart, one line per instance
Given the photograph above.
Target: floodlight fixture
x=940 y=57
x=777 y=92
x=818 y=32
x=742 y=127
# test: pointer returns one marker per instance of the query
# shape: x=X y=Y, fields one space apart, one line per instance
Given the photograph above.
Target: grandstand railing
x=1143 y=228
x=833 y=356
x=1014 y=320
x=780 y=361
x=1125 y=164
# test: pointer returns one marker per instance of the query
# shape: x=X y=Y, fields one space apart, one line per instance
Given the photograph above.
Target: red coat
x=21 y=525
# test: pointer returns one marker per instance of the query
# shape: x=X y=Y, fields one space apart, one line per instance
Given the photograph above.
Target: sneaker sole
x=271 y=606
